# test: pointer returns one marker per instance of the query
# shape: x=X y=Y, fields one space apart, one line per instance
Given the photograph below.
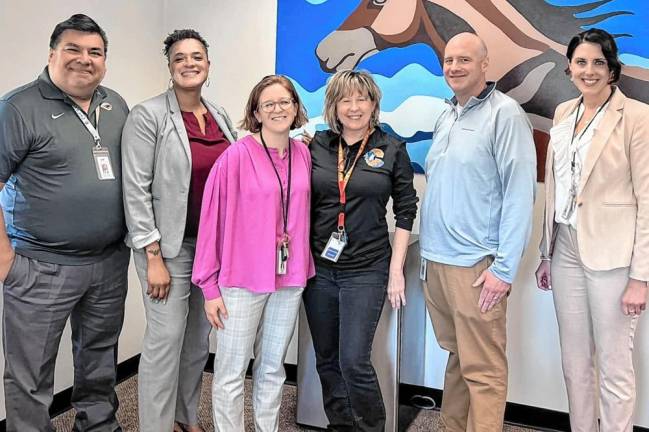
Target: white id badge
x=103 y=164
x=422 y=269
x=282 y=258
x=334 y=247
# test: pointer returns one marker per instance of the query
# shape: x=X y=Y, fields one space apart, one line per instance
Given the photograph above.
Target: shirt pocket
x=618 y=204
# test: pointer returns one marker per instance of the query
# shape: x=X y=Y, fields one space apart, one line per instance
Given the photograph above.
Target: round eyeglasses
x=283 y=104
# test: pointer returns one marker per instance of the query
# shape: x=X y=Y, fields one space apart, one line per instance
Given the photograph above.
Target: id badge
x=422 y=269
x=282 y=258
x=103 y=164
x=335 y=246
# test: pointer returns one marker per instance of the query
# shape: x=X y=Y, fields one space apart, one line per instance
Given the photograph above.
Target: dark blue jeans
x=343 y=308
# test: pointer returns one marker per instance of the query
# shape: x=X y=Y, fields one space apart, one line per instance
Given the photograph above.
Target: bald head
x=470 y=42
x=465 y=65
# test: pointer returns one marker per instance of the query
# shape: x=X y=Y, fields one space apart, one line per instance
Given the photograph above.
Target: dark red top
x=205 y=151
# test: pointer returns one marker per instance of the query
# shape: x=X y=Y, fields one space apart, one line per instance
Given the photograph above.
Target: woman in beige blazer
x=169 y=144
x=595 y=246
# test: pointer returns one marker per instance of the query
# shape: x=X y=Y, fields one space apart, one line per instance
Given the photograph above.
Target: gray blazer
x=156 y=171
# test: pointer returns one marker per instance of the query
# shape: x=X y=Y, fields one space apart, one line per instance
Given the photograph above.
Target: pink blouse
x=241 y=221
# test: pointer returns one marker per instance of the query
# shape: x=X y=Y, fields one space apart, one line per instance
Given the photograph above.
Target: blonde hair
x=250 y=122
x=343 y=84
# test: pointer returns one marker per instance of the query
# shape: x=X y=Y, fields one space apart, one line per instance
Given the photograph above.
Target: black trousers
x=343 y=308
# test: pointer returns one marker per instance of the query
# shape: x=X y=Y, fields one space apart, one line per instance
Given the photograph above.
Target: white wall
x=242 y=38
x=241 y=35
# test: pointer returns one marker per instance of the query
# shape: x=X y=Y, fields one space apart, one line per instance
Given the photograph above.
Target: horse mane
x=446 y=22
x=560 y=23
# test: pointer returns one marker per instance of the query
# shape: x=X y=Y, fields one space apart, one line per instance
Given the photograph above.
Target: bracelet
x=545 y=259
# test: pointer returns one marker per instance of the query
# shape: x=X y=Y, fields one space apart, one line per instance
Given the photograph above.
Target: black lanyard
x=573 y=159
x=285 y=203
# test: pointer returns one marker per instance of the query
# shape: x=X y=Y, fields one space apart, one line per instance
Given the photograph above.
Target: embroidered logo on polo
x=107 y=106
x=374 y=158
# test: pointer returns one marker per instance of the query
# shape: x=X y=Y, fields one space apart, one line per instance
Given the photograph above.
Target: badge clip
x=282 y=258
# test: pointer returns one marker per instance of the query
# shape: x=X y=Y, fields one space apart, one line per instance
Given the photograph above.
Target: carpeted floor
x=412 y=419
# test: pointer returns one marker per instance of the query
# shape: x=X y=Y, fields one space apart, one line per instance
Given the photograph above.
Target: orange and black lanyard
x=343 y=177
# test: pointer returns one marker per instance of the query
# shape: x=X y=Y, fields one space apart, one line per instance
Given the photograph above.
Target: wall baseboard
x=515 y=414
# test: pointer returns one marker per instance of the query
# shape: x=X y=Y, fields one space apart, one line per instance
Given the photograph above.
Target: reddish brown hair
x=250 y=122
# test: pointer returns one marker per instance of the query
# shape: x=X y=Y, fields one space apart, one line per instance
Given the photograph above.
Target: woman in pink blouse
x=252 y=254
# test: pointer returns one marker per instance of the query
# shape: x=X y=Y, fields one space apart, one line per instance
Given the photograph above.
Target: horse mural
x=526 y=41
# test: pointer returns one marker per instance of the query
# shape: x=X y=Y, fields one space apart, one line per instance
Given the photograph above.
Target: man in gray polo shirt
x=61 y=249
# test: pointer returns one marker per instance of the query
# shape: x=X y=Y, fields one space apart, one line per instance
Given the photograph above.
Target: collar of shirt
x=474 y=100
x=332 y=139
x=50 y=91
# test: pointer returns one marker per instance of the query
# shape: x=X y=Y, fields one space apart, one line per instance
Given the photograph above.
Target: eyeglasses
x=284 y=104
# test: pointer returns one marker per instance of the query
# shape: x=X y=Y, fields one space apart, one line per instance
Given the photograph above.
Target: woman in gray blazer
x=169 y=145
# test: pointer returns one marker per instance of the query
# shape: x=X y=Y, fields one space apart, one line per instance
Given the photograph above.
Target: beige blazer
x=613 y=205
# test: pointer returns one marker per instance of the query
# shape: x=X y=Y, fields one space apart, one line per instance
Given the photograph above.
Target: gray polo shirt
x=55 y=207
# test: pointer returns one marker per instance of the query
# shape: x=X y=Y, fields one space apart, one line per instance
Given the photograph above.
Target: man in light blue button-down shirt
x=475 y=222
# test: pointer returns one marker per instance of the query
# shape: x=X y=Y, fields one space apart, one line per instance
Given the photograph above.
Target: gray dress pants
x=38 y=299
x=175 y=347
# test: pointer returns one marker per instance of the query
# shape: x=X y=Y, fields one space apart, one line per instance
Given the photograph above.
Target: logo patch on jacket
x=374 y=158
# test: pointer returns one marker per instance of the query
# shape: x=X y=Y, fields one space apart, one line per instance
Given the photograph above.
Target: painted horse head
x=526 y=41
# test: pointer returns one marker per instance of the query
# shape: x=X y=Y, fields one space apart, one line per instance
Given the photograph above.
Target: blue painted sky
x=297 y=39
x=633 y=24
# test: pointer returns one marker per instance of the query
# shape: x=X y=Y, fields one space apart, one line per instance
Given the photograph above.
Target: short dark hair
x=78 y=22
x=178 y=35
x=250 y=122
x=606 y=43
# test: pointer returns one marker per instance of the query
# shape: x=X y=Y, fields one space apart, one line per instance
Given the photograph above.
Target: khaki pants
x=475 y=384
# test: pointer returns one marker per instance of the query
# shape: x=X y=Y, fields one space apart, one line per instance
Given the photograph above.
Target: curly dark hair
x=178 y=35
